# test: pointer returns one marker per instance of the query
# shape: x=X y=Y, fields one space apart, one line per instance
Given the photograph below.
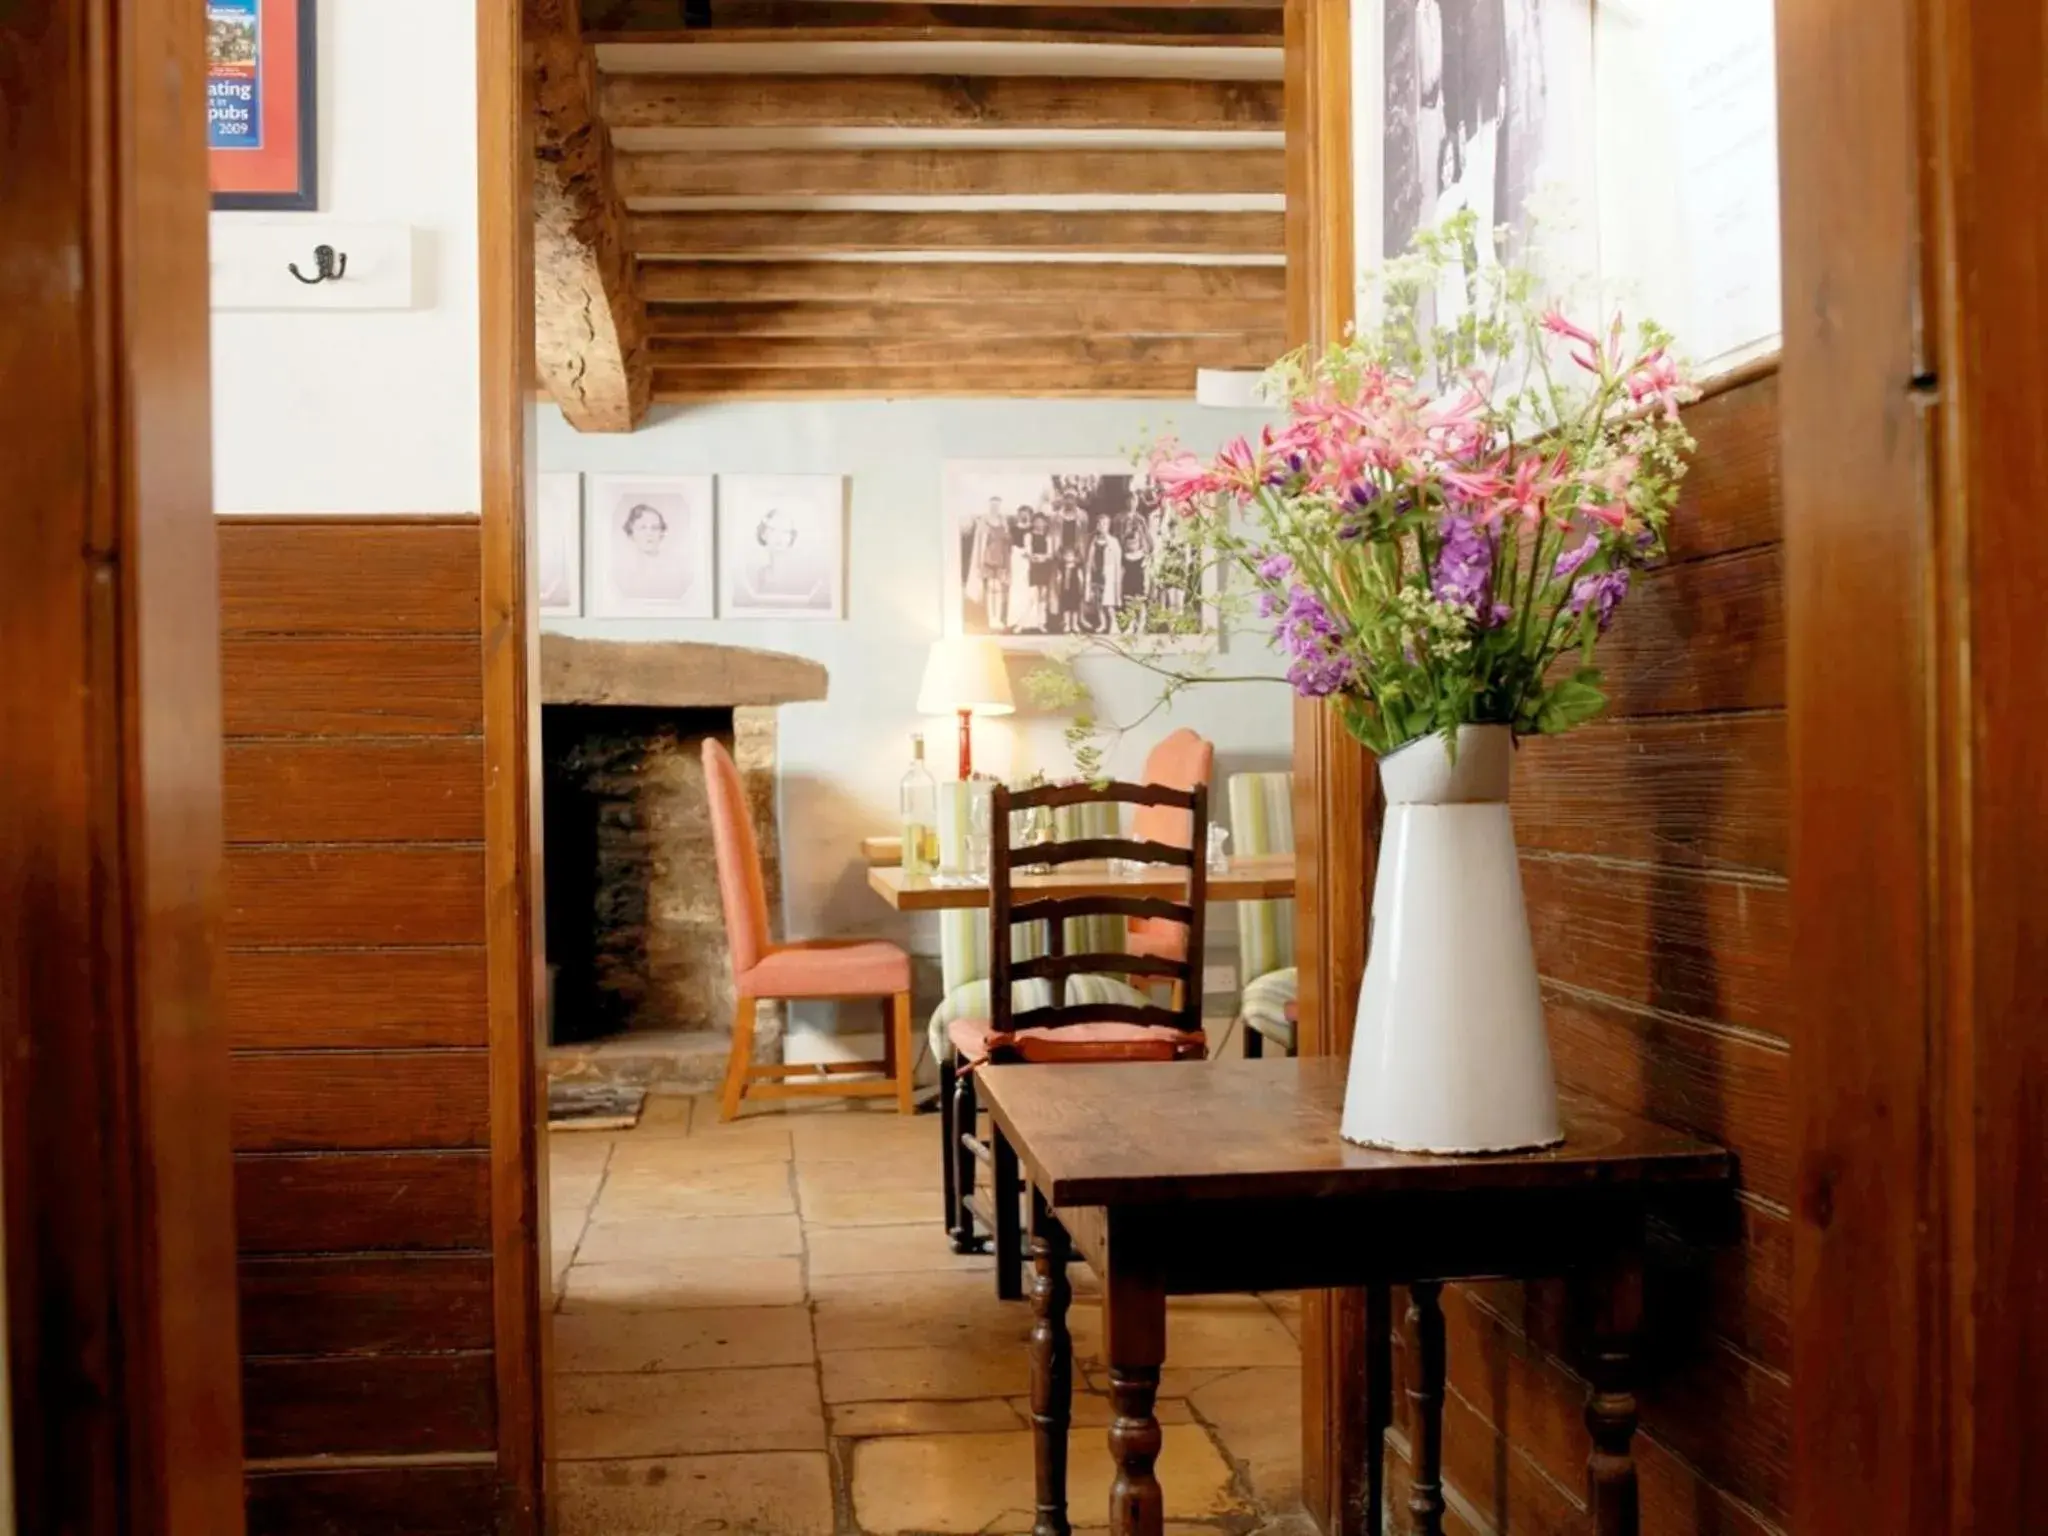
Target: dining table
x=1264 y=877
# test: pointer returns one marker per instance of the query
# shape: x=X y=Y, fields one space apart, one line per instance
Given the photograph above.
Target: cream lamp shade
x=966 y=675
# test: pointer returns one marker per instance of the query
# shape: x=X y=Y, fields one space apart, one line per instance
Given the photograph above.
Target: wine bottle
x=920 y=806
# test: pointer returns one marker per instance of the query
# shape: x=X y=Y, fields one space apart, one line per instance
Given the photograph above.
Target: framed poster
x=648 y=545
x=559 y=560
x=262 y=135
x=1043 y=554
x=782 y=546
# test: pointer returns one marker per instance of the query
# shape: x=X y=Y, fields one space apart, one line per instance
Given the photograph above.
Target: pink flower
x=1528 y=494
x=1612 y=515
x=1477 y=486
x=1658 y=380
x=1555 y=323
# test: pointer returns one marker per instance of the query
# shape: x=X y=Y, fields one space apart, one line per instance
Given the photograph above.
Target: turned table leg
x=1052 y=1367
x=1426 y=1496
x=1134 y=1318
x=1611 y=1405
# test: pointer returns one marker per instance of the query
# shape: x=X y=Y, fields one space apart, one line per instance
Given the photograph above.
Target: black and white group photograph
x=1044 y=552
x=1480 y=111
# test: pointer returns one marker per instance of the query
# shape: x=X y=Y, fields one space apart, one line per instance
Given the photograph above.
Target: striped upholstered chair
x=964 y=958
x=1262 y=821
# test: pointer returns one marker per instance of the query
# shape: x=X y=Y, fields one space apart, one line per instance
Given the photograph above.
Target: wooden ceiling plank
x=968 y=320
x=638 y=102
x=962 y=377
x=589 y=342
x=1118 y=232
x=951 y=173
x=936 y=347
x=951 y=282
x=850 y=20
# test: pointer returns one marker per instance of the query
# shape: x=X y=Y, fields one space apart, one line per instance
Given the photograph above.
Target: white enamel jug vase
x=1450 y=1053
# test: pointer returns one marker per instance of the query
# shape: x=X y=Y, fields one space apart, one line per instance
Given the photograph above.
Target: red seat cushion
x=829 y=968
x=975 y=1041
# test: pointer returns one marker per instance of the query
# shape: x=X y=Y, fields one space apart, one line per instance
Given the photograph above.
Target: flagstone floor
x=763 y=1331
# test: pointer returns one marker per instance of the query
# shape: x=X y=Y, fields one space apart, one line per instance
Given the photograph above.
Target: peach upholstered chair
x=1182 y=761
x=812 y=968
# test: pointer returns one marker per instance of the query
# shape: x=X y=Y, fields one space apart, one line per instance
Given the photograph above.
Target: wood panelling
x=638 y=106
x=368 y=1405
x=281 y=999
x=317 y=1101
x=1009 y=172
x=1699 y=791
x=1722 y=945
x=366 y=1304
x=336 y=686
x=1655 y=861
x=346 y=791
x=1702 y=635
x=376 y=1501
x=792 y=236
x=344 y=896
x=343 y=1202
x=348 y=575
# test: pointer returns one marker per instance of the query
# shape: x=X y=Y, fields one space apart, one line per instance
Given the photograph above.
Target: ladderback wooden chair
x=834 y=969
x=1059 y=1023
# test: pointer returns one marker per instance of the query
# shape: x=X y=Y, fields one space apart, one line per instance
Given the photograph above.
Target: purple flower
x=1275 y=568
x=1569 y=562
x=1464 y=571
x=1313 y=640
x=1602 y=593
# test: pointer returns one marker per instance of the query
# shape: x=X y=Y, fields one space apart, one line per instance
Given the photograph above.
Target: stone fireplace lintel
x=673 y=674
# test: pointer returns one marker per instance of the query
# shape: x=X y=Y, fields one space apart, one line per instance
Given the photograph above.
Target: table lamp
x=966 y=676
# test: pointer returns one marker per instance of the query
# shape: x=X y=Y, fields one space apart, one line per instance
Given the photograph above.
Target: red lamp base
x=966 y=745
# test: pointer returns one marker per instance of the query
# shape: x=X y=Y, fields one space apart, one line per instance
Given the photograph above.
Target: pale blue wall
x=842 y=758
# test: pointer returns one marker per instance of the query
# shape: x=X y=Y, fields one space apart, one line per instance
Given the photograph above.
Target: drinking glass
x=1219 y=860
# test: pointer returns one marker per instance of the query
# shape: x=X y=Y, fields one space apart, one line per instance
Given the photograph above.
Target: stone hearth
x=641 y=983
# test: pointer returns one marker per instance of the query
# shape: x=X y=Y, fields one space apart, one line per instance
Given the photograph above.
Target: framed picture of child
x=1061 y=551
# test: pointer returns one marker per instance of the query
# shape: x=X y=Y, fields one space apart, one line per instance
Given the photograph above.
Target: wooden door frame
x=1335 y=789
x=120 y=1272
x=512 y=802
x=1913 y=390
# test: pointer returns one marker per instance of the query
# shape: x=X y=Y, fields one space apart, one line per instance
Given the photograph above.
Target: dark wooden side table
x=1200 y=1177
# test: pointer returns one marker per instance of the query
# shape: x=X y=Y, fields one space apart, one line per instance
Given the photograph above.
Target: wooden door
x=1915 y=182
x=126 y=1414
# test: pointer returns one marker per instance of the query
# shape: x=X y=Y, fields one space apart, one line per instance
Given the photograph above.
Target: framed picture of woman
x=558 y=560
x=648 y=546
x=782 y=546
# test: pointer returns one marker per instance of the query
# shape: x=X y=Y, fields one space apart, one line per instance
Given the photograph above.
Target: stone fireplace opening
x=640 y=982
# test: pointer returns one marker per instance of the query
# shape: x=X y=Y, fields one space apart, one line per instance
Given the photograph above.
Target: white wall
x=370 y=411
x=842 y=758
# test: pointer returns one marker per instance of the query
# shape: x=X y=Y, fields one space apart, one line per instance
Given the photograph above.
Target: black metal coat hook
x=331 y=266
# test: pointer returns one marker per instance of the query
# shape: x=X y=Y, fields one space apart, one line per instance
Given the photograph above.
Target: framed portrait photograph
x=1041 y=553
x=1483 y=105
x=558 y=559
x=782 y=546
x=262 y=118
x=648 y=542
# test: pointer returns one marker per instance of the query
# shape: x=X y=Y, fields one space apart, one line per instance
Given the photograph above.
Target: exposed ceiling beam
x=643 y=103
x=588 y=322
x=967 y=320
x=950 y=173
x=948 y=281
x=1081 y=354
x=779 y=235
x=870 y=20
x=1037 y=381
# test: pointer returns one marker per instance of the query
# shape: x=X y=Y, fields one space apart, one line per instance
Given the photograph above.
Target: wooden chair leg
x=965 y=1239
x=1254 y=1042
x=740 y=1061
x=951 y=1199
x=904 y=1058
x=1006 y=1194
